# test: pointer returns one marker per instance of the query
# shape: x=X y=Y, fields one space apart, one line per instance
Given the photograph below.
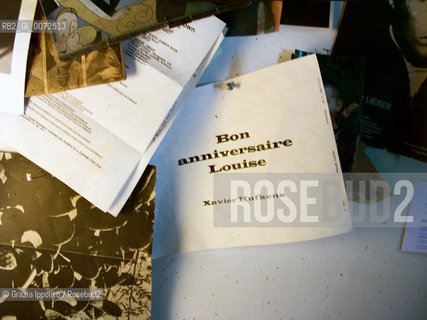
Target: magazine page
x=391 y=35
x=14 y=42
x=99 y=134
x=53 y=241
x=257 y=126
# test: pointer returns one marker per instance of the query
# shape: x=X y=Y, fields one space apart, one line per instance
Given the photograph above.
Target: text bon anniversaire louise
x=223 y=138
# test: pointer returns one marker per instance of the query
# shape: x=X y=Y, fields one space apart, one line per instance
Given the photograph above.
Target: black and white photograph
x=50 y=237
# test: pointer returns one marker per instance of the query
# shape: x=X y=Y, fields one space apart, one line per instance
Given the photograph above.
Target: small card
x=415 y=237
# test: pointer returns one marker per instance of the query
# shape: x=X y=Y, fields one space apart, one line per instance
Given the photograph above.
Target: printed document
x=95 y=139
x=251 y=161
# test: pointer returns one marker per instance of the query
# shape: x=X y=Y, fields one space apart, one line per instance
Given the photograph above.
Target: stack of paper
x=99 y=140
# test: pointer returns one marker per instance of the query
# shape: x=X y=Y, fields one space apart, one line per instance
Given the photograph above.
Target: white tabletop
x=359 y=275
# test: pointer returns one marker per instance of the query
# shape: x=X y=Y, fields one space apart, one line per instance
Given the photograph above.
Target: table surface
x=358 y=275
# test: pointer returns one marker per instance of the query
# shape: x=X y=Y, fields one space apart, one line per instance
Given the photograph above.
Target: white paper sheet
x=282 y=102
x=5 y=148
x=415 y=237
x=114 y=122
x=13 y=59
x=165 y=126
